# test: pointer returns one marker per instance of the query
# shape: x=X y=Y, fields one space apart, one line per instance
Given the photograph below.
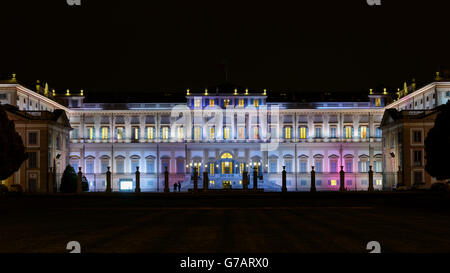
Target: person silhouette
x=175 y=187
x=179 y=186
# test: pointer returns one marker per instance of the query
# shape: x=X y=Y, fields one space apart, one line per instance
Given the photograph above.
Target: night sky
x=116 y=47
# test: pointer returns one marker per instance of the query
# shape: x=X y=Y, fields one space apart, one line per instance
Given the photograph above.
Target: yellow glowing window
x=197 y=133
x=348 y=132
x=256 y=103
x=211 y=168
x=241 y=133
x=197 y=103
x=363 y=132
x=119 y=133
x=333 y=183
x=212 y=102
x=226 y=133
x=302 y=132
x=212 y=182
x=180 y=133
x=165 y=132
x=241 y=168
x=256 y=132
x=91 y=132
x=212 y=132
x=227 y=167
x=379 y=182
x=287 y=133
x=136 y=133
x=150 y=133
x=377 y=102
x=104 y=132
x=226 y=103
x=241 y=102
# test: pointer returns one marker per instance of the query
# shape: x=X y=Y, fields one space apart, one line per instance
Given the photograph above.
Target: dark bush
x=69 y=180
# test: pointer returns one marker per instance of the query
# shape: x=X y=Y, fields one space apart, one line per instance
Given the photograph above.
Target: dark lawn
x=259 y=223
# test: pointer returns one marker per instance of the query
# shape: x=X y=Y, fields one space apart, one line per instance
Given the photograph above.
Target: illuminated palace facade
x=222 y=133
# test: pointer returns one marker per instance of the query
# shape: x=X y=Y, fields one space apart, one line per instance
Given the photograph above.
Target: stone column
x=195 y=179
x=205 y=180
x=283 y=180
x=50 y=181
x=138 y=181
x=342 y=179
x=245 y=179
x=166 y=180
x=79 y=180
x=399 y=177
x=313 y=180
x=370 y=179
x=108 y=180
x=255 y=178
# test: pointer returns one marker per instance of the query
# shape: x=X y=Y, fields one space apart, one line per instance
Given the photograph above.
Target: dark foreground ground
x=224 y=223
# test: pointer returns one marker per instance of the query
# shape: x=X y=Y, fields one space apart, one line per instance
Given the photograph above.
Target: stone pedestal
x=283 y=180
x=50 y=181
x=313 y=180
x=342 y=179
x=245 y=180
x=371 y=189
x=205 y=181
x=195 y=180
x=108 y=180
x=166 y=181
x=138 y=181
x=79 y=181
x=255 y=179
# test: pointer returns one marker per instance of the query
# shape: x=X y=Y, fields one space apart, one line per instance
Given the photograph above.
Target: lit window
x=150 y=134
x=226 y=103
x=255 y=102
x=333 y=183
x=379 y=182
x=119 y=133
x=241 y=168
x=287 y=132
x=211 y=132
x=135 y=135
x=211 y=168
x=212 y=102
x=256 y=132
x=197 y=103
x=241 y=102
x=363 y=132
x=180 y=133
x=348 y=132
x=378 y=102
x=90 y=132
x=105 y=132
x=212 y=182
x=303 y=132
x=197 y=133
x=165 y=132
x=241 y=133
x=226 y=133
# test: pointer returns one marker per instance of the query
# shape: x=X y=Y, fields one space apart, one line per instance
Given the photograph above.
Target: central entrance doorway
x=226 y=184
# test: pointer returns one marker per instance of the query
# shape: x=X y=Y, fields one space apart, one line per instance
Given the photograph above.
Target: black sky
x=153 y=47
